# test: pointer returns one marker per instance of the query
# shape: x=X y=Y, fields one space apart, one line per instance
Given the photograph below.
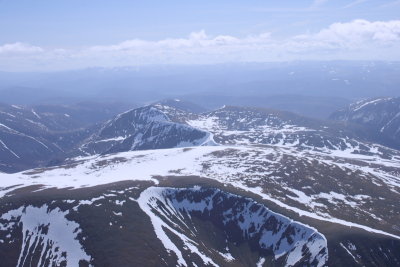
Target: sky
x=49 y=35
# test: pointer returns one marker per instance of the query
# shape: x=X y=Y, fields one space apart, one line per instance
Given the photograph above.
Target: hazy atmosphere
x=50 y=35
x=199 y=133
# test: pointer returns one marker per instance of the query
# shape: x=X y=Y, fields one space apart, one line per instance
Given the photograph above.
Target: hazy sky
x=68 y=34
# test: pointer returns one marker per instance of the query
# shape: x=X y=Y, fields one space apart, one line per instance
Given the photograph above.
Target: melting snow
x=164 y=201
x=49 y=229
x=203 y=161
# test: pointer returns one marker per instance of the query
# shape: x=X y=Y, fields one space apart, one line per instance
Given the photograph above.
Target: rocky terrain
x=32 y=136
x=144 y=128
x=378 y=115
x=230 y=187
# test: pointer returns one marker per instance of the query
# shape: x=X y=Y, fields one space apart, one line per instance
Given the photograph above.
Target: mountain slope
x=34 y=136
x=278 y=189
x=255 y=126
x=181 y=105
x=207 y=199
x=144 y=128
x=379 y=115
x=289 y=242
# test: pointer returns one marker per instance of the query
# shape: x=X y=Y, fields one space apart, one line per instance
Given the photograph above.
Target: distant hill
x=379 y=115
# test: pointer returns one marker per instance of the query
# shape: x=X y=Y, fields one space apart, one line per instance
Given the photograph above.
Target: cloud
x=358 y=39
x=357 y=33
x=195 y=40
x=350 y=36
x=18 y=48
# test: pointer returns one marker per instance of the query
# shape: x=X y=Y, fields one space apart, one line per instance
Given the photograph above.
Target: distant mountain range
x=314 y=89
x=42 y=135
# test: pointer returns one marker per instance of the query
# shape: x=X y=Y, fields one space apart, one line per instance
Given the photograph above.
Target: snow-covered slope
x=34 y=136
x=252 y=126
x=278 y=189
x=144 y=128
x=243 y=220
x=181 y=105
x=166 y=125
x=41 y=229
x=345 y=189
x=353 y=206
x=381 y=115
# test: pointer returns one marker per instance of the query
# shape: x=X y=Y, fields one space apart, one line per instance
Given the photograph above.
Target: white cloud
x=357 y=34
x=358 y=39
x=18 y=47
x=350 y=36
x=195 y=40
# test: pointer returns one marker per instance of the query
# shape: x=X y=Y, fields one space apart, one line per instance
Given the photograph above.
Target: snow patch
x=49 y=229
